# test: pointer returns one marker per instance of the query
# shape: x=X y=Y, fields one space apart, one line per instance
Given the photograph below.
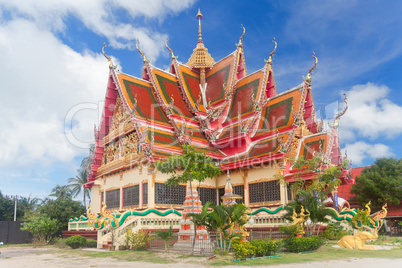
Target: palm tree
x=76 y=184
x=28 y=206
x=224 y=220
x=199 y=219
x=61 y=192
x=87 y=161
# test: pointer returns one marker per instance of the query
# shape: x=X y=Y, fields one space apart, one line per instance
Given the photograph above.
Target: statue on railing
x=299 y=220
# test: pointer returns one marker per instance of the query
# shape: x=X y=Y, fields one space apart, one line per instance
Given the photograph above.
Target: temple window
x=169 y=195
x=290 y=197
x=131 y=196
x=207 y=194
x=239 y=189
x=267 y=191
x=113 y=199
x=221 y=192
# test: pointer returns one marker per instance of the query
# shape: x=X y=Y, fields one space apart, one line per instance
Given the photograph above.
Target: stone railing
x=79 y=226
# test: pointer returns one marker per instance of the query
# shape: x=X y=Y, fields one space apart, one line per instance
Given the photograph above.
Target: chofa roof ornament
x=138 y=48
x=312 y=68
x=341 y=113
x=106 y=56
x=168 y=48
x=273 y=51
x=242 y=36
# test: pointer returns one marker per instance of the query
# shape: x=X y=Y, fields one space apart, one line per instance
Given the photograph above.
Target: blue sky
x=53 y=74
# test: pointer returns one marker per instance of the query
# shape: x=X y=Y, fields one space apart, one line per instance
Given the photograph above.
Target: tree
x=87 y=161
x=61 y=192
x=62 y=210
x=189 y=166
x=7 y=205
x=76 y=184
x=42 y=228
x=311 y=194
x=224 y=220
x=380 y=183
x=6 y=208
x=28 y=206
x=166 y=236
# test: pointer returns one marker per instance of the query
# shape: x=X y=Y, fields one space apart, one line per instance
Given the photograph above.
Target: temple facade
x=238 y=118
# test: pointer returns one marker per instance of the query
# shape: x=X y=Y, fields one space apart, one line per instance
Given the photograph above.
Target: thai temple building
x=248 y=127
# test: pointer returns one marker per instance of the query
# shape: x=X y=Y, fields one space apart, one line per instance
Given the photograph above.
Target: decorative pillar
x=335 y=198
x=283 y=191
x=140 y=195
x=244 y=175
x=192 y=204
x=151 y=187
x=229 y=199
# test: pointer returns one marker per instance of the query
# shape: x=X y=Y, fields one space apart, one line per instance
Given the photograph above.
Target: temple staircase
x=116 y=236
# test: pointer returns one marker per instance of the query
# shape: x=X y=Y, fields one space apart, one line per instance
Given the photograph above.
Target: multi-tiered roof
x=239 y=119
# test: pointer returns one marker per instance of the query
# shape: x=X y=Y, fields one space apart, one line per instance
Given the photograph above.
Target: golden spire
x=273 y=51
x=312 y=68
x=142 y=53
x=241 y=37
x=200 y=58
x=106 y=56
x=199 y=18
x=170 y=50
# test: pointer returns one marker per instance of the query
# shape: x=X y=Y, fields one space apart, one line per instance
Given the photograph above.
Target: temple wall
x=119 y=180
x=95 y=198
x=261 y=173
x=139 y=176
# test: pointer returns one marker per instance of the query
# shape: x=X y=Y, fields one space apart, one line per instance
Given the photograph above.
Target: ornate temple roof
x=239 y=119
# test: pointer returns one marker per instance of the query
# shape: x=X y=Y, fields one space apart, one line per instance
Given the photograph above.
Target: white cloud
x=371 y=114
x=101 y=17
x=41 y=80
x=359 y=151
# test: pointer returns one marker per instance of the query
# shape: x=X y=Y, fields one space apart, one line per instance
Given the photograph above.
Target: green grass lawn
x=326 y=252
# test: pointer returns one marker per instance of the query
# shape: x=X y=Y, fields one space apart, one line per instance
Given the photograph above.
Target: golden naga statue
x=91 y=216
x=382 y=214
x=358 y=240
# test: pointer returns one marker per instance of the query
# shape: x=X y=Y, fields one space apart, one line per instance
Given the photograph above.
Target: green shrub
x=42 y=228
x=91 y=243
x=333 y=231
x=76 y=241
x=303 y=244
x=244 y=250
x=290 y=230
x=255 y=248
x=138 y=240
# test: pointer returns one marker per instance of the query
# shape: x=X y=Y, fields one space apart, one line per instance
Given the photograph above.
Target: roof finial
x=199 y=18
x=106 y=56
x=241 y=37
x=341 y=113
x=138 y=48
x=273 y=51
x=312 y=68
x=170 y=50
